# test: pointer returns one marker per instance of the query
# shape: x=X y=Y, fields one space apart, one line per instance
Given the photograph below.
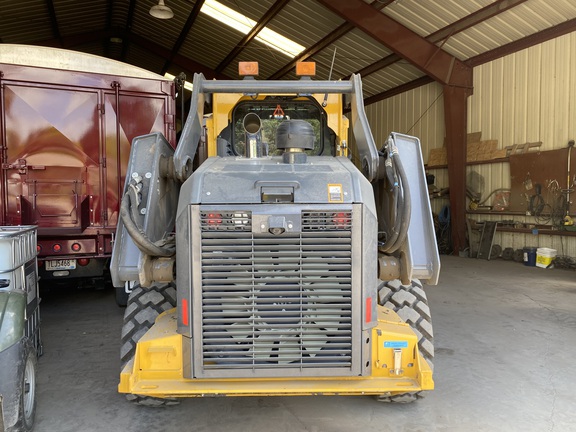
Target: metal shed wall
x=524 y=97
x=418 y=112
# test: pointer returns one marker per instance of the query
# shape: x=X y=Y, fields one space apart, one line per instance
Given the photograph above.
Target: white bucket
x=544 y=257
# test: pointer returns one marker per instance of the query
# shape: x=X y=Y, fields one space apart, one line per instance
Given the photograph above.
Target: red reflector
x=214 y=219
x=369 y=309
x=185 y=312
x=76 y=247
x=83 y=261
x=56 y=247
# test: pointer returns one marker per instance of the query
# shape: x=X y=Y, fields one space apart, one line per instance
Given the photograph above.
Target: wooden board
x=538 y=168
x=476 y=151
x=523 y=148
x=438 y=156
x=481 y=151
x=473 y=137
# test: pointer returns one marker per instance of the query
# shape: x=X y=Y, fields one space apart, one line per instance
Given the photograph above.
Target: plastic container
x=17 y=246
x=544 y=257
x=530 y=256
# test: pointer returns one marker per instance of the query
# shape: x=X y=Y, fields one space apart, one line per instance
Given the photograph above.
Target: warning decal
x=396 y=344
x=335 y=193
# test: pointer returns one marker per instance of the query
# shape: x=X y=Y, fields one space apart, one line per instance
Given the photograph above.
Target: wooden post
x=455 y=118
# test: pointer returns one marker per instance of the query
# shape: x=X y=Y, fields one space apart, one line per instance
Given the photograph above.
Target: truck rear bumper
x=94 y=268
x=157 y=369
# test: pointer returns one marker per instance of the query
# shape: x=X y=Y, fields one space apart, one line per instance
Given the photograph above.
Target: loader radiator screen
x=276 y=301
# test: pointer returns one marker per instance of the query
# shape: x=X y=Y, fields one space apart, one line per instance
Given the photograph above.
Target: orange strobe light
x=248 y=68
x=306 y=68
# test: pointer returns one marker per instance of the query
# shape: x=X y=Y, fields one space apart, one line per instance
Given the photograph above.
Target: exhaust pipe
x=253 y=129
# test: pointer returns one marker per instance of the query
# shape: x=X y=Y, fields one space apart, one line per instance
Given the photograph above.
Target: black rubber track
x=144 y=305
x=411 y=304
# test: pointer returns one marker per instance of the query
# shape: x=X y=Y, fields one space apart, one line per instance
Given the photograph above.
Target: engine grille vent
x=226 y=221
x=272 y=302
x=326 y=221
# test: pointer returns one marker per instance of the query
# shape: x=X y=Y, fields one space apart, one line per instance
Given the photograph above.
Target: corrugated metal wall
x=418 y=112
x=528 y=96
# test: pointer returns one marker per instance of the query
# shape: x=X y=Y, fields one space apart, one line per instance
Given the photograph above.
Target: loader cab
x=224 y=134
x=272 y=111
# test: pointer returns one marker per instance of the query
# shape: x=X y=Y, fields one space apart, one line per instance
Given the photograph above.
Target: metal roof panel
x=80 y=16
x=210 y=41
x=305 y=22
x=25 y=22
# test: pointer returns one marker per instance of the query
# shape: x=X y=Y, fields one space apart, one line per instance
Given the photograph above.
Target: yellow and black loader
x=274 y=253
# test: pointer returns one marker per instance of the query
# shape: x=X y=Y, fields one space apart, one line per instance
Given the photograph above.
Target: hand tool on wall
x=567 y=219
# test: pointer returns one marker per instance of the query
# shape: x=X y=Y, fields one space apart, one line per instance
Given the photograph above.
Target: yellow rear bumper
x=397 y=367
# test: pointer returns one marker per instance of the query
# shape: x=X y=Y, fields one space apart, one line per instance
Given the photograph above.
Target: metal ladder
x=486 y=239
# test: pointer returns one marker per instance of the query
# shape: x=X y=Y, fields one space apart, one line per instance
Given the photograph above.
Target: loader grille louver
x=326 y=221
x=273 y=302
x=226 y=221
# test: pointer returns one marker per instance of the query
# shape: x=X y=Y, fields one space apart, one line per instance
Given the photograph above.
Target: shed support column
x=455 y=118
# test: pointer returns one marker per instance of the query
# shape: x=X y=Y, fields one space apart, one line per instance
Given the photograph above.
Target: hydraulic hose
x=492 y=193
x=406 y=211
x=401 y=200
x=394 y=226
x=136 y=233
x=134 y=203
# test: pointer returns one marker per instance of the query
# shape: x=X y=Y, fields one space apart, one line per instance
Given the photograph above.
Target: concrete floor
x=505 y=338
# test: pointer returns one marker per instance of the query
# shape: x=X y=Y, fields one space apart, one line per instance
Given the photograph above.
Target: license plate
x=69 y=264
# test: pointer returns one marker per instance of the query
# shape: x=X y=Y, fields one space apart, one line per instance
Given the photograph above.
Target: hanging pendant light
x=161 y=11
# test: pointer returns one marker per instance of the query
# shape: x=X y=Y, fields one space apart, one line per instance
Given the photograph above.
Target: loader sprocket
x=411 y=304
x=144 y=305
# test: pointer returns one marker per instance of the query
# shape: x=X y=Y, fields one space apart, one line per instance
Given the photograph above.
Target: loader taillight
x=56 y=248
x=341 y=220
x=214 y=218
x=38 y=248
x=76 y=247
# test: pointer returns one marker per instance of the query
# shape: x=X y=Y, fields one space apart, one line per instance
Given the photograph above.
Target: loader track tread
x=144 y=306
x=411 y=304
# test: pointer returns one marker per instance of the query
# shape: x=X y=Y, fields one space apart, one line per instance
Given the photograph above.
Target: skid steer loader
x=271 y=253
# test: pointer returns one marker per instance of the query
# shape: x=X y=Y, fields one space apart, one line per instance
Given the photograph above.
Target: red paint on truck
x=65 y=140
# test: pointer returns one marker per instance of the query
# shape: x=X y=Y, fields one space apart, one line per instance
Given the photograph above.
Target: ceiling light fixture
x=243 y=24
x=161 y=11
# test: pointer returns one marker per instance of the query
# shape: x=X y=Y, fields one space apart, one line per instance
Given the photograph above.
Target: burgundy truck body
x=65 y=137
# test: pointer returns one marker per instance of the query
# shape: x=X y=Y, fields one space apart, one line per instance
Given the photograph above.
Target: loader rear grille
x=326 y=221
x=277 y=301
x=226 y=221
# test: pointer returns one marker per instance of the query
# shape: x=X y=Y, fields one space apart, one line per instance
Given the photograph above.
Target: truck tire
x=144 y=306
x=27 y=404
x=411 y=304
